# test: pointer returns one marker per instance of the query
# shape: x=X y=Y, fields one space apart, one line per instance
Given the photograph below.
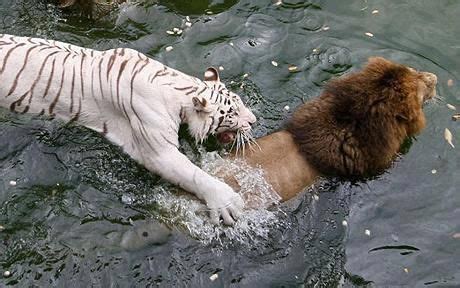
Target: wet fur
x=356 y=127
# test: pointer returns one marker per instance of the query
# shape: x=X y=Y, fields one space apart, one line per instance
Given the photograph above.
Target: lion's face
x=426 y=88
x=417 y=87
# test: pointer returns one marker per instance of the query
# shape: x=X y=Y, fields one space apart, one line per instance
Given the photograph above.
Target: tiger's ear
x=211 y=74
x=200 y=105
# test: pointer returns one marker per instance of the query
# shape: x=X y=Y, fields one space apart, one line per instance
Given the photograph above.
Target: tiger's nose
x=251 y=118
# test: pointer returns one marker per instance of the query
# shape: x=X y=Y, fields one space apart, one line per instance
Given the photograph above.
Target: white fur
x=144 y=121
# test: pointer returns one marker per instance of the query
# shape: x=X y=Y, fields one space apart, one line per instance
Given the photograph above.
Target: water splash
x=183 y=210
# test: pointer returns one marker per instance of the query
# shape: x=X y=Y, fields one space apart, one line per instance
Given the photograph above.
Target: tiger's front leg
x=220 y=198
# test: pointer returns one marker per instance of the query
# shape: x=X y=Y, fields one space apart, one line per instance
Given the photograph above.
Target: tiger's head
x=218 y=111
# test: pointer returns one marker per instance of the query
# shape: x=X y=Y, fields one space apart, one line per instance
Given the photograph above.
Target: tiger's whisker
x=253 y=140
x=242 y=144
x=237 y=141
x=247 y=140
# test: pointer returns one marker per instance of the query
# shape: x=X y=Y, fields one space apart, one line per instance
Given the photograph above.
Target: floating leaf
x=448 y=137
x=451 y=107
x=292 y=68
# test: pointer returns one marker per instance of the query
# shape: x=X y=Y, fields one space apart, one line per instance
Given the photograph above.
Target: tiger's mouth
x=226 y=137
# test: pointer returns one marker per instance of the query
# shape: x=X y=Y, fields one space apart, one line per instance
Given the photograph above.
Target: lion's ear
x=211 y=74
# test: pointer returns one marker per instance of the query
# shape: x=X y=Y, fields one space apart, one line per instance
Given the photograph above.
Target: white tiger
x=134 y=101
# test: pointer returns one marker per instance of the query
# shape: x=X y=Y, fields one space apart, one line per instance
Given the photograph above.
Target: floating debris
x=375 y=11
x=13 y=183
x=456 y=236
x=316 y=197
x=169 y=48
x=188 y=24
x=170 y=32
x=286 y=108
x=456 y=117
x=315 y=50
x=179 y=32
x=292 y=68
x=365 y=7
x=231 y=43
x=448 y=137
x=245 y=75
x=274 y=63
x=367 y=232
x=221 y=68
x=369 y=34
x=344 y=223
x=406 y=270
x=7 y=274
x=450 y=82
x=433 y=171
x=451 y=107
x=187 y=18
x=2 y=228
x=277 y=2
x=209 y=12
x=213 y=277
x=325 y=28
x=175 y=29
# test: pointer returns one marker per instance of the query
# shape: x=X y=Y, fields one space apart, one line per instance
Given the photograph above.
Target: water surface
x=84 y=214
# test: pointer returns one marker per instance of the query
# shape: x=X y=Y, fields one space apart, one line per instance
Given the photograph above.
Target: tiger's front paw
x=226 y=204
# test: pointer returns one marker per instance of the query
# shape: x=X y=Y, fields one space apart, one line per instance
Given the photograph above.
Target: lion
x=353 y=130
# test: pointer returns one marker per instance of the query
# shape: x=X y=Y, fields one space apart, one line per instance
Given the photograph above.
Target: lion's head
x=356 y=127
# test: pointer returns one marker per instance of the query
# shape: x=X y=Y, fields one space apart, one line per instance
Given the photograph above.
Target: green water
x=80 y=210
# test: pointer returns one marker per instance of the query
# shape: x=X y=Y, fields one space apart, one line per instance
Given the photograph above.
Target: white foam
x=185 y=211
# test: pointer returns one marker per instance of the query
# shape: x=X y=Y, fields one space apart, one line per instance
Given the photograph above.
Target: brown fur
x=357 y=125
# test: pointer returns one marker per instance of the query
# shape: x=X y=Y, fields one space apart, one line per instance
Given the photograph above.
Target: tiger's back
x=62 y=80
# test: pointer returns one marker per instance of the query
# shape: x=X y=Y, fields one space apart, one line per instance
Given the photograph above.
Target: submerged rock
x=143 y=234
x=90 y=8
